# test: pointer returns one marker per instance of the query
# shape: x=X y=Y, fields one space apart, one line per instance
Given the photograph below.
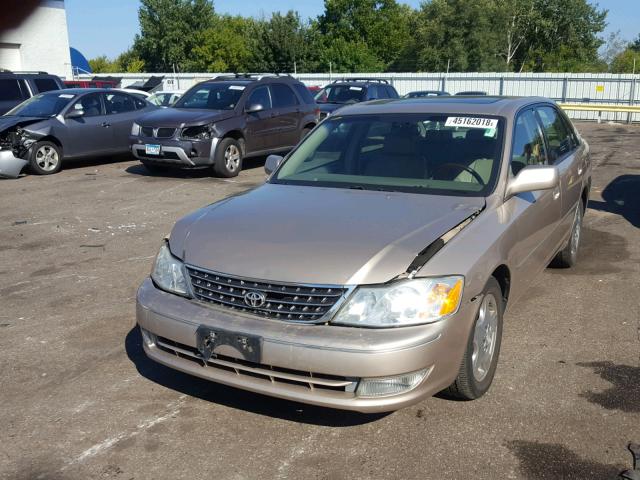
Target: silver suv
x=374 y=266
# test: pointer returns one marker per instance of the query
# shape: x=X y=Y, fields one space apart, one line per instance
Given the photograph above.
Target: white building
x=40 y=42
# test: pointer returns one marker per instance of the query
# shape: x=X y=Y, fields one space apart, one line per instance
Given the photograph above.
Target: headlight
x=168 y=272
x=135 y=129
x=202 y=132
x=407 y=302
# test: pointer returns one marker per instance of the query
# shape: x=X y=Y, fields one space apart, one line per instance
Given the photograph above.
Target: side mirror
x=272 y=162
x=75 y=114
x=254 y=108
x=532 y=178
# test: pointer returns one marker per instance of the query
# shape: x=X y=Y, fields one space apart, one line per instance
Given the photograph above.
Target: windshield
x=340 y=94
x=42 y=105
x=441 y=154
x=213 y=96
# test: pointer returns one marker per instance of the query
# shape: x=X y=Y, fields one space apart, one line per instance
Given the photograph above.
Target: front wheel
x=568 y=256
x=483 y=347
x=45 y=158
x=228 y=158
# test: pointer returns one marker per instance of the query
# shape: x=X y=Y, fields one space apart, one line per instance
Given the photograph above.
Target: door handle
x=556 y=193
x=105 y=124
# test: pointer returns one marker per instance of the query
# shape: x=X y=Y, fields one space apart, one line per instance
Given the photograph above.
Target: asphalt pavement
x=79 y=399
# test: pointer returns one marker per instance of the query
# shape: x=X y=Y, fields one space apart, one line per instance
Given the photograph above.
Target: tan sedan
x=374 y=266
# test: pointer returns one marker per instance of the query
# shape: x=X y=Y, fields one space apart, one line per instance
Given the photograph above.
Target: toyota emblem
x=255 y=299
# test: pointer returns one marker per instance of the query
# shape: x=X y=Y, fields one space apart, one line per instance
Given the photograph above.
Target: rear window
x=304 y=93
x=10 y=90
x=46 y=84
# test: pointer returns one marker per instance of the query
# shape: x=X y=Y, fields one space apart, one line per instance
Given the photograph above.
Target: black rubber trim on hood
x=434 y=247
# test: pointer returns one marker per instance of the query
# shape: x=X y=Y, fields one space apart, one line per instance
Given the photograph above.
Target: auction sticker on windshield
x=471 y=122
x=236 y=87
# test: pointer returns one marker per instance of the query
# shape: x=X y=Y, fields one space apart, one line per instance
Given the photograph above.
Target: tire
x=154 y=168
x=305 y=132
x=568 y=256
x=45 y=158
x=228 y=158
x=477 y=369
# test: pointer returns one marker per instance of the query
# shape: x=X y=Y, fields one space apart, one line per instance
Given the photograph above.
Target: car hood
x=181 y=117
x=317 y=235
x=8 y=121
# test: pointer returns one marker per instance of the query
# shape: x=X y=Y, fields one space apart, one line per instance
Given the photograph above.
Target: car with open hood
x=219 y=122
x=375 y=265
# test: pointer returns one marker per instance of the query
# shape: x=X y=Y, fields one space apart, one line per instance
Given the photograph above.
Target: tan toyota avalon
x=374 y=266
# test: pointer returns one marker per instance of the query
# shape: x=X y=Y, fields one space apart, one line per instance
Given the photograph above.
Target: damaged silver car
x=65 y=124
x=375 y=265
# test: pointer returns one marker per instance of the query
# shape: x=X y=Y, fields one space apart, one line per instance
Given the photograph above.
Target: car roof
x=483 y=105
x=78 y=91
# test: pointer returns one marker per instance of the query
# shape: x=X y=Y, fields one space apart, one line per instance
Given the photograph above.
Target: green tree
x=627 y=61
x=102 y=64
x=224 y=47
x=635 y=45
x=380 y=26
x=281 y=43
x=169 y=31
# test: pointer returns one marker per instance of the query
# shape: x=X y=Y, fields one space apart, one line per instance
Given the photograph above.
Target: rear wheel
x=228 y=158
x=305 y=132
x=45 y=158
x=568 y=256
x=483 y=347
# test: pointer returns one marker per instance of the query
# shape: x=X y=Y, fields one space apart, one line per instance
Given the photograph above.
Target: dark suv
x=352 y=90
x=221 y=121
x=16 y=87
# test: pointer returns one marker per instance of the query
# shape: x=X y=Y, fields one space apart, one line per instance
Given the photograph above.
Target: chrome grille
x=165 y=132
x=300 y=303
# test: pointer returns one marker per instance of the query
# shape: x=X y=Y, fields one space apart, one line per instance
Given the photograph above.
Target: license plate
x=152 y=149
x=210 y=341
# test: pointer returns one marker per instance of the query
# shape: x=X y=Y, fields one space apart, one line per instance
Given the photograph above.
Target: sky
x=98 y=27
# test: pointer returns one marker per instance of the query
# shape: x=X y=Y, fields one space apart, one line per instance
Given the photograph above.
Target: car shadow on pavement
x=624 y=393
x=552 y=460
x=236 y=398
x=204 y=172
x=621 y=197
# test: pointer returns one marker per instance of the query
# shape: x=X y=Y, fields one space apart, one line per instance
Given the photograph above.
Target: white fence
x=602 y=88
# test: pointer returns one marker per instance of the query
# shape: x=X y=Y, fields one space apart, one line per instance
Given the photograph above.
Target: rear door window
x=528 y=143
x=559 y=138
x=10 y=90
x=46 y=84
x=283 y=96
x=260 y=96
x=118 y=103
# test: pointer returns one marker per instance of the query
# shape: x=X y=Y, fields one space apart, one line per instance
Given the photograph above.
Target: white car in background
x=165 y=98
x=137 y=93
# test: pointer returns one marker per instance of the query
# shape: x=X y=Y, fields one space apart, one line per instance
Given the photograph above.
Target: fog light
x=148 y=338
x=382 y=386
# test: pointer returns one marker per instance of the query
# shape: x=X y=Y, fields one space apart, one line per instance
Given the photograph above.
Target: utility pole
x=295 y=68
x=329 y=71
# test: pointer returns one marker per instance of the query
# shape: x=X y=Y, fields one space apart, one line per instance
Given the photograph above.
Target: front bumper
x=175 y=152
x=10 y=165
x=315 y=364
